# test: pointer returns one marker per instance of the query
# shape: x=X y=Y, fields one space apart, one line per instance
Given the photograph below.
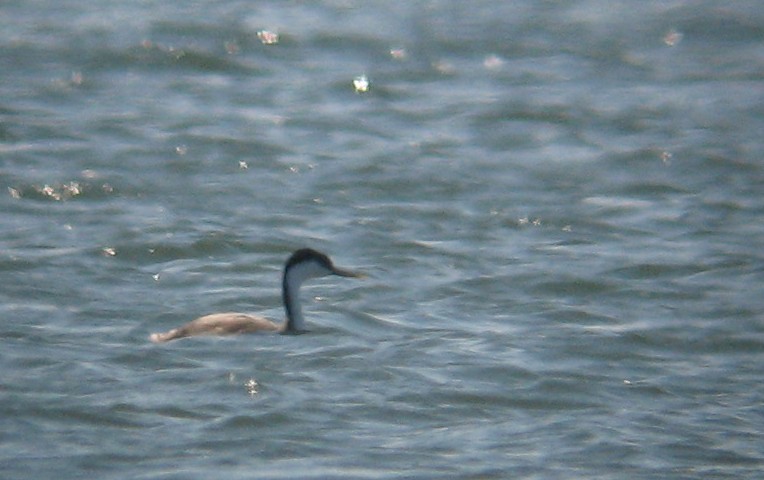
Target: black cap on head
x=307 y=254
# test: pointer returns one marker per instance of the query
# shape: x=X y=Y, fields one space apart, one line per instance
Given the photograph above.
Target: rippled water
x=559 y=206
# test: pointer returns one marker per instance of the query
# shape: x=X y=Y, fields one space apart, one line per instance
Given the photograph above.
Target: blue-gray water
x=560 y=207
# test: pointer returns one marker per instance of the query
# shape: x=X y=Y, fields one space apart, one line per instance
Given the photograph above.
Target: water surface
x=559 y=207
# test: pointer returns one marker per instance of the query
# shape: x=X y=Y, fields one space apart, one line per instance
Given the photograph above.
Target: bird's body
x=220 y=324
x=304 y=264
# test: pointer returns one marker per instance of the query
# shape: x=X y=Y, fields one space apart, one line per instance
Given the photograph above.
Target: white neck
x=293 y=279
x=295 y=321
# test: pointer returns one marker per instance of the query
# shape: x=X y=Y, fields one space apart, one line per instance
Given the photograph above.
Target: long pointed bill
x=347 y=273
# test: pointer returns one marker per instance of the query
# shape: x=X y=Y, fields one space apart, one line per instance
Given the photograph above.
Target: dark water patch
x=574 y=286
x=369 y=49
x=653 y=188
x=169 y=412
x=695 y=339
x=158 y=251
x=657 y=271
x=726 y=26
x=158 y=58
x=581 y=317
x=246 y=423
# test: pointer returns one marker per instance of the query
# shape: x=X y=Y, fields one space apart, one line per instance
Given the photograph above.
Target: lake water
x=559 y=207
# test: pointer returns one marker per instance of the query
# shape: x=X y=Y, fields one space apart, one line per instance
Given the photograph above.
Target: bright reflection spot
x=267 y=37
x=493 y=62
x=77 y=78
x=251 y=386
x=361 y=84
x=398 y=53
x=672 y=38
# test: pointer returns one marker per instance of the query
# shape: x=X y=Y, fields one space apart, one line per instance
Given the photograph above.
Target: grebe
x=302 y=265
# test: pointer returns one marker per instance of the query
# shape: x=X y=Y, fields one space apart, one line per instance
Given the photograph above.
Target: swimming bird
x=302 y=265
